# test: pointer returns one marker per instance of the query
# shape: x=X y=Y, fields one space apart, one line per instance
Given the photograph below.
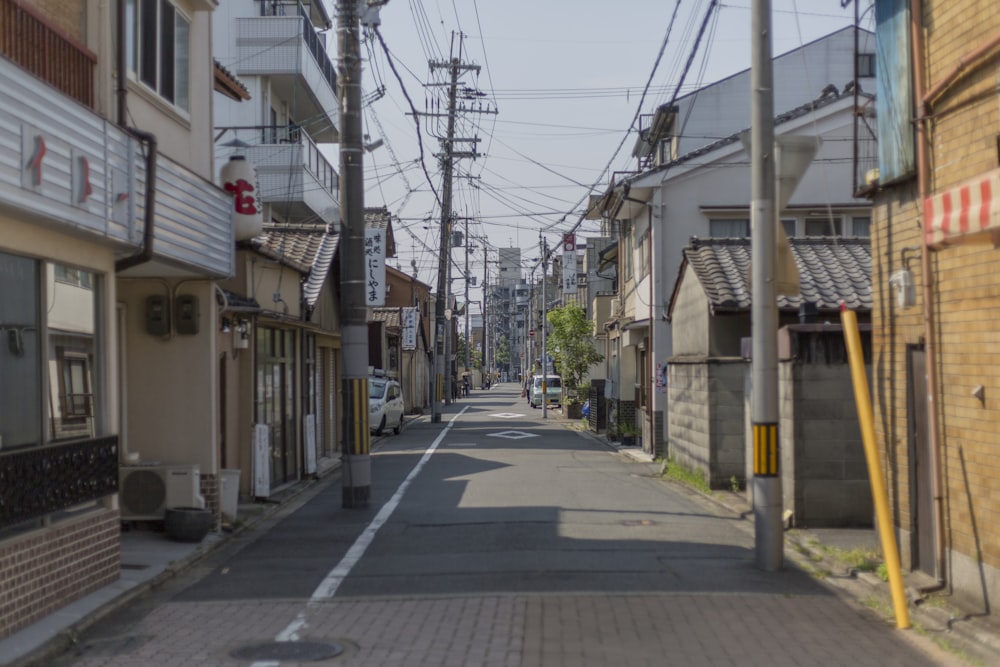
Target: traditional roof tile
x=831 y=271
x=388 y=315
x=308 y=249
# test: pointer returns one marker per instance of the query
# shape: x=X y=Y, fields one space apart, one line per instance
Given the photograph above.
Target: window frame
x=141 y=55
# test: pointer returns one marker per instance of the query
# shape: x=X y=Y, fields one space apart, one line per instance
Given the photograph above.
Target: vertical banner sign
x=409 y=328
x=569 y=264
x=374 y=267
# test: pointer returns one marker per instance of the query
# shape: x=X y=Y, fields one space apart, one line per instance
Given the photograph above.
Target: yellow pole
x=885 y=526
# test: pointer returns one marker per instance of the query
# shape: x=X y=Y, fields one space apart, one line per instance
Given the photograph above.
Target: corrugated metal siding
x=70 y=131
x=894 y=86
x=193 y=223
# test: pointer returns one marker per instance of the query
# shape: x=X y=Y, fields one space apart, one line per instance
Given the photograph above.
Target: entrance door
x=276 y=400
x=921 y=470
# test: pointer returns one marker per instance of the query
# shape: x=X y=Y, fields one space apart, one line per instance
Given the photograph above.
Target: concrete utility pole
x=767 y=500
x=442 y=354
x=542 y=323
x=353 y=313
x=468 y=341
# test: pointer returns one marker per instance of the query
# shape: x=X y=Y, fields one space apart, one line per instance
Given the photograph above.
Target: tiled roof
x=308 y=249
x=388 y=315
x=831 y=270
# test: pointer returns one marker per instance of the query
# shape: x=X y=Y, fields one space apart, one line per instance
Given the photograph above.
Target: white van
x=553 y=390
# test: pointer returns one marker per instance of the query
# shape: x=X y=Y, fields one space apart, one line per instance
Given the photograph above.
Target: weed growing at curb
x=677 y=472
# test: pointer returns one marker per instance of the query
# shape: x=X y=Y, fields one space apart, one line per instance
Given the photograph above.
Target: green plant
x=679 y=473
x=734 y=484
x=628 y=429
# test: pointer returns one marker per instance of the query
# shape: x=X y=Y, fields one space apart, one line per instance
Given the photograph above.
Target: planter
x=187 y=524
x=573 y=410
x=628 y=440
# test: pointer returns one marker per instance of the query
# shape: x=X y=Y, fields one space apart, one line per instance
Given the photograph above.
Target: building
x=706 y=193
x=114 y=236
x=936 y=212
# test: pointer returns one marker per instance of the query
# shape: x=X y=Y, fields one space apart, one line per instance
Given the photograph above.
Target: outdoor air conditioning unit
x=146 y=491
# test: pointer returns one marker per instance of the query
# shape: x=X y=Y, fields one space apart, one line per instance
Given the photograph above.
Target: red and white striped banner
x=963 y=210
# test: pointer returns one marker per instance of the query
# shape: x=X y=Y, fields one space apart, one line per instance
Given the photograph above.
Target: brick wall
x=46 y=569
x=209 y=488
x=965 y=299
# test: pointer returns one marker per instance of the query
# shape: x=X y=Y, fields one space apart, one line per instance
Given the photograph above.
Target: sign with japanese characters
x=569 y=264
x=374 y=267
x=409 y=328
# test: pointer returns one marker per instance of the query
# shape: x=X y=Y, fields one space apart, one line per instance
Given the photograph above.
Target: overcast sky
x=565 y=78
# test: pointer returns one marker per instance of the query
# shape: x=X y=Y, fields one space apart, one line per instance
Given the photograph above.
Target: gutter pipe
x=145 y=254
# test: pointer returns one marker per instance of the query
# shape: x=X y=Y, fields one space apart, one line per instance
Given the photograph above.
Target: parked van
x=553 y=390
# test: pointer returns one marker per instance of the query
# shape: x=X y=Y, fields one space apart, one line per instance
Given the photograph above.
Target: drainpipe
x=923 y=184
x=146 y=253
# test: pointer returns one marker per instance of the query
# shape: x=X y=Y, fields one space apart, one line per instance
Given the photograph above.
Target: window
x=158 y=40
x=823 y=227
x=789 y=226
x=866 y=65
x=48 y=353
x=728 y=228
x=861 y=226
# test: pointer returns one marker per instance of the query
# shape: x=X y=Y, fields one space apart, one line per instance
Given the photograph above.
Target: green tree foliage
x=475 y=356
x=502 y=354
x=571 y=344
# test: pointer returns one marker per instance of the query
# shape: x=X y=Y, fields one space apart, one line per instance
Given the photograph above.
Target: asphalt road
x=497 y=537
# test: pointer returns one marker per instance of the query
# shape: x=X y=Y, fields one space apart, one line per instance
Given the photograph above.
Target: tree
x=502 y=354
x=571 y=344
x=475 y=356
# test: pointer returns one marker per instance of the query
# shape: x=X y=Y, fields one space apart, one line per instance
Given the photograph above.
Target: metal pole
x=353 y=313
x=767 y=494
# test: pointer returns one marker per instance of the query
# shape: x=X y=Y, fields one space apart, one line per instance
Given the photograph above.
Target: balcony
x=31 y=42
x=295 y=178
x=288 y=50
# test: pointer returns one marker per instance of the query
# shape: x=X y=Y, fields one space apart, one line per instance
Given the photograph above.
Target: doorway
x=921 y=468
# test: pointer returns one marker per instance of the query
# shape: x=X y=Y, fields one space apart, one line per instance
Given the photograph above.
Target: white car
x=385 y=405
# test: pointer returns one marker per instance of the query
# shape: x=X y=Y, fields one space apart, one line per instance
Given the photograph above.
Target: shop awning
x=965 y=213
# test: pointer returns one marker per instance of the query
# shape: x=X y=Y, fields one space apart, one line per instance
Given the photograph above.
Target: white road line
x=328 y=587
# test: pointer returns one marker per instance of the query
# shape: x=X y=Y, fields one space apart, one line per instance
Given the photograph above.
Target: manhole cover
x=292 y=651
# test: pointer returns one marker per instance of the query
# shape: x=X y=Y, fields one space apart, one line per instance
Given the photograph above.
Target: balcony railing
x=313 y=43
x=30 y=41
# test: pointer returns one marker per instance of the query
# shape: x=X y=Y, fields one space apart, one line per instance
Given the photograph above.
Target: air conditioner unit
x=146 y=491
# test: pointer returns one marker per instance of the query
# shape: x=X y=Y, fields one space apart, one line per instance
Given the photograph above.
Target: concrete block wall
x=825 y=475
x=47 y=568
x=706 y=418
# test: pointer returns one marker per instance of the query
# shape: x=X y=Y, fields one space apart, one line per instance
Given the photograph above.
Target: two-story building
x=113 y=237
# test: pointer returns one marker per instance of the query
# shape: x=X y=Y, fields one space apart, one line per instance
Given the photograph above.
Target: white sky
x=566 y=77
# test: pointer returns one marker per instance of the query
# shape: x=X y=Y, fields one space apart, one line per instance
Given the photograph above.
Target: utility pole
x=442 y=339
x=468 y=341
x=767 y=493
x=544 y=358
x=353 y=313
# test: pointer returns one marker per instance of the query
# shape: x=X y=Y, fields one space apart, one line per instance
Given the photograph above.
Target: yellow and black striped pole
x=765 y=450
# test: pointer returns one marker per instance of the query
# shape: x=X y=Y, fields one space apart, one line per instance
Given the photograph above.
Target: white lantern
x=240 y=180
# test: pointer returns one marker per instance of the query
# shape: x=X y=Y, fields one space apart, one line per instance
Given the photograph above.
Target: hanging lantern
x=240 y=180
